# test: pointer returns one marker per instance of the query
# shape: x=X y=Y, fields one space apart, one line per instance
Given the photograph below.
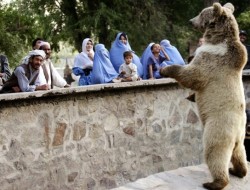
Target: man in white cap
x=53 y=78
x=24 y=77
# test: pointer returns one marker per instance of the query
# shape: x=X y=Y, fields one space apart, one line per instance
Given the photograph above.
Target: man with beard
x=53 y=78
x=24 y=77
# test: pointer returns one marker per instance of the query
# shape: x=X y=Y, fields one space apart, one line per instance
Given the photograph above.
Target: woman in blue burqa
x=83 y=63
x=103 y=70
x=144 y=60
x=173 y=53
x=119 y=46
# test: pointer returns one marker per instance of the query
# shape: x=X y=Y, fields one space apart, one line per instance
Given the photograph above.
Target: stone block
x=129 y=131
x=107 y=183
x=59 y=134
x=72 y=176
x=192 y=117
x=79 y=131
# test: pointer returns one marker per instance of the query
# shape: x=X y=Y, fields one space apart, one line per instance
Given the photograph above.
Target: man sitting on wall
x=24 y=77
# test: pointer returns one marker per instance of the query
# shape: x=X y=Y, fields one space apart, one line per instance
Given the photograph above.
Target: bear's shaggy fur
x=215 y=74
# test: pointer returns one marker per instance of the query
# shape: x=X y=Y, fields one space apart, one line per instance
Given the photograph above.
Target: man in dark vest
x=4 y=70
x=25 y=76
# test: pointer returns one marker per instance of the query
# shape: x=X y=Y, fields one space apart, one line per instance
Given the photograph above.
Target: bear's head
x=217 y=19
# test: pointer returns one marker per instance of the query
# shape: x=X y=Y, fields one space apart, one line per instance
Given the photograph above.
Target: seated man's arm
x=23 y=81
x=58 y=80
x=41 y=80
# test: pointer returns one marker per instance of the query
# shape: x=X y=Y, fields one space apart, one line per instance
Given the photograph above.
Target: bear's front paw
x=164 y=72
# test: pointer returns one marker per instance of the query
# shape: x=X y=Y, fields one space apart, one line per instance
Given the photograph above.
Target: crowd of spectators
x=94 y=64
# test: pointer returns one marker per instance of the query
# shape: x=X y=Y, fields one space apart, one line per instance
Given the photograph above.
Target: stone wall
x=96 y=137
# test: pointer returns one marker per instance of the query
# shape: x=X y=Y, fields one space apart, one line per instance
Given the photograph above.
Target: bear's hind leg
x=217 y=155
x=239 y=161
x=215 y=185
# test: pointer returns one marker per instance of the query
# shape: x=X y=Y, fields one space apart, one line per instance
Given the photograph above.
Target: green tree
x=73 y=20
x=16 y=28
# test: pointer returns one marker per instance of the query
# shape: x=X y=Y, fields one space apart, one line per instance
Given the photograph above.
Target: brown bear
x=215 y=74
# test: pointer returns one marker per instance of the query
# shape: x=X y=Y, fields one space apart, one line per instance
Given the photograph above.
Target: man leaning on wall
x=5 y=71
x=24 y=78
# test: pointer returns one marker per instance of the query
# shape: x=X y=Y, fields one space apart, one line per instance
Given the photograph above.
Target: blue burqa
x=116 y=54
x=103 y=70
x=144 y=60
x=173 y=53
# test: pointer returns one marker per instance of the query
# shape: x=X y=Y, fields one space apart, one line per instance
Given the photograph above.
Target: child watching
x=128 y=70
x=156 y=61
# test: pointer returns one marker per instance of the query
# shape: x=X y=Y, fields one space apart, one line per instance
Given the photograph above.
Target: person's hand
x=1 y=74
x=42 y=87
x=127 y=79
x=16 y=89
x=90 y=55
x=67 y=86
x=123 y=72
x=152 y=78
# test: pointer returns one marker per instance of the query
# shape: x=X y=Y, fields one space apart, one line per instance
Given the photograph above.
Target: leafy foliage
x=15 y=30
x=73 y=20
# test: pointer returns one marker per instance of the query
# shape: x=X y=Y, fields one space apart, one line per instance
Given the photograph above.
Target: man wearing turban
x=24 y=77
x=53 y=78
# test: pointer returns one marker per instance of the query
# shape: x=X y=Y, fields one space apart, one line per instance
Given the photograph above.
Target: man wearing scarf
x=24 y=77
x=53 y=78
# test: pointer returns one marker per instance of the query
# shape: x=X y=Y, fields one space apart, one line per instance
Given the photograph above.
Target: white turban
x=37 y=52
x=25 y=60
x=44 y=43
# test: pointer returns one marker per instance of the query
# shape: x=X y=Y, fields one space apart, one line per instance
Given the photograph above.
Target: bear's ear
x=217 y=9
x=229 y=6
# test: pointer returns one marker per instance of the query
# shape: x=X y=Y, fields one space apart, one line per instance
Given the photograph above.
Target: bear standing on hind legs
x=215 y=74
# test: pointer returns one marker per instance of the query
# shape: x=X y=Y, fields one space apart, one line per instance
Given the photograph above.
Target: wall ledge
x=85 y=89
x=92 y=88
